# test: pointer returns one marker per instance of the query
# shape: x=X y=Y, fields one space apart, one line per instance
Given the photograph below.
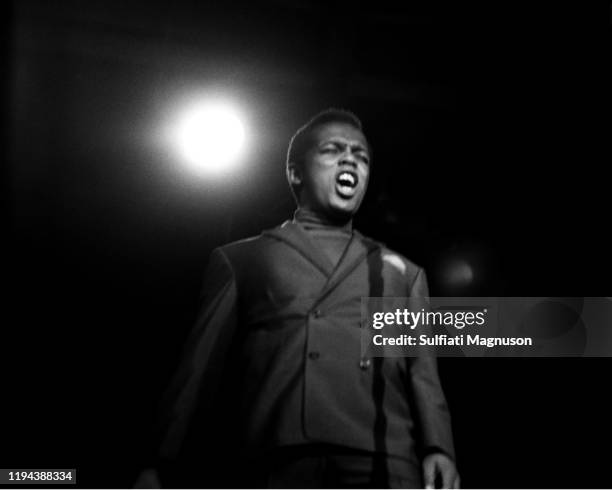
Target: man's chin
x=343 y=209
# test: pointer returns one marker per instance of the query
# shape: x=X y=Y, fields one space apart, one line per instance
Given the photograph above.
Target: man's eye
x=329 y=149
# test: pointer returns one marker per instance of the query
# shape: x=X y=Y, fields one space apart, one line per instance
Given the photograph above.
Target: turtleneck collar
x=311 y=220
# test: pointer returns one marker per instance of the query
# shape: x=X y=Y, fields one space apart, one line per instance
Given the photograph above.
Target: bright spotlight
x=211 y=137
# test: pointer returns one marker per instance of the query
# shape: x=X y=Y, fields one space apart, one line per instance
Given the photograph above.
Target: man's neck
x=311 y=219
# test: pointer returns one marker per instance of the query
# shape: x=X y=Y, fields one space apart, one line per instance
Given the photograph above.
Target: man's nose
x=348 y=159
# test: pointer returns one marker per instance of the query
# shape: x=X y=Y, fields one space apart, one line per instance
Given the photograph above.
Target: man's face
x=335 y=171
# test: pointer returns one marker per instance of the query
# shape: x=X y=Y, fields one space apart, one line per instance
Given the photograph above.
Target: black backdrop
x=487 y=124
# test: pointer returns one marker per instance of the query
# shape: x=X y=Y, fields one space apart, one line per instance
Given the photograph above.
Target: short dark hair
x=301 y=141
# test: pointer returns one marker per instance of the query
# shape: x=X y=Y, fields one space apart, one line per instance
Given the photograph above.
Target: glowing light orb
x=459 y=273
x=211 y=137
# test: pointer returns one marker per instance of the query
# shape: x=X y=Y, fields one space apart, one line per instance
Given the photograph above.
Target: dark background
x=488 y=126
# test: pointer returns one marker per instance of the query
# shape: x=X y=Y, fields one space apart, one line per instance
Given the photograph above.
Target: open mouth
x=346 y=183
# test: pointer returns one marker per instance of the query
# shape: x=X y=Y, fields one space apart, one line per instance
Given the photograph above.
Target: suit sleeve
x=197 y=378
x=429 y=400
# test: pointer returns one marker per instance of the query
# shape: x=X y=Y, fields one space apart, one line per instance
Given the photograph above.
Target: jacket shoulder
x=247 y=247
x=396 y=260
x=239 y=248
x=409 y=267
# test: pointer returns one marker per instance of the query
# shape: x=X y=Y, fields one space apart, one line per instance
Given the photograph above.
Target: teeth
x=347 y=177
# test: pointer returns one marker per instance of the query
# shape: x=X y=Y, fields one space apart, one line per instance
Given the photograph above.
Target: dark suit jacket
x=290 y=323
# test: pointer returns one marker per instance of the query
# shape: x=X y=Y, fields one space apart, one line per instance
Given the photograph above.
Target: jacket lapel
x=293 y=234
x=357 y=250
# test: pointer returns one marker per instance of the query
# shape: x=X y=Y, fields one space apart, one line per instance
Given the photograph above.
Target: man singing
x=277 y=343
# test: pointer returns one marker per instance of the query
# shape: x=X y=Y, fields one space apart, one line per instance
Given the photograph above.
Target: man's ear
x=295 y=174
